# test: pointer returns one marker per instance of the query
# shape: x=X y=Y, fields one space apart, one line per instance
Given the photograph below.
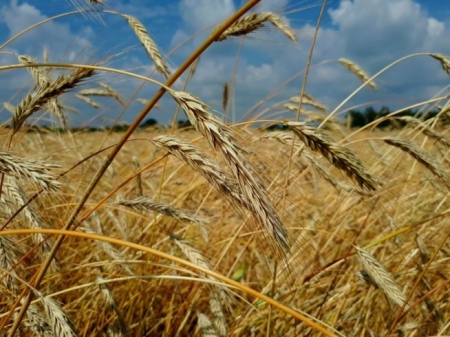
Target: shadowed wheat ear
x=356 y=70
x=60 y=322
x=445 y=61
x=220 y=137
x=149 y=45
x=255 y=21
x=338 y=155
x=119 y=326
x=421 y=156
x=147 y=204
x=381 y=278
x=32 y=171
x=12 y=194
x=35 y=101
x=194 y=256
x=205 y=325
x=426 y=130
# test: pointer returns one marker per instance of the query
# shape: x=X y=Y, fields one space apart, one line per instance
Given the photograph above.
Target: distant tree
x=149 y=122
x=183 y=124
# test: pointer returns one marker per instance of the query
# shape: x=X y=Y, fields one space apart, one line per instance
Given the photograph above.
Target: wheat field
x=218 y=228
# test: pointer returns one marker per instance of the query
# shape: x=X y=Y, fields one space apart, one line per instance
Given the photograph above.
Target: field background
x=276 y=226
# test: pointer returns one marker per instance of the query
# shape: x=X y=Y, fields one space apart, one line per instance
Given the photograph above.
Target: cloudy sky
x=372 y=33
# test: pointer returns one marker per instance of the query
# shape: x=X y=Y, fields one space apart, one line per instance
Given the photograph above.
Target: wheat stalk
x=381 y=278
x=255 y=21
x=358 y=72
x=421 y=156
x=34 y=171
x=339 y=156
x=149 y=44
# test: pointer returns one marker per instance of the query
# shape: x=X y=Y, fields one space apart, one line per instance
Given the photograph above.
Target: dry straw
x=381 y=278
x=149 y=45
x=356 y=70
x=421 y=156
x=338 y=155
x=255 y=21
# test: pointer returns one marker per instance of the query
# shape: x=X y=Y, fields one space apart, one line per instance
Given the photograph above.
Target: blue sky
x=371 y=33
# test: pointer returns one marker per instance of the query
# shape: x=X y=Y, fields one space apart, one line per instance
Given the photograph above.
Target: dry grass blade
x=220 y=137
x=147 y=204
x=205 y=325
x=255 y=21
x=421 y=156
x=381 y=278
x=149 y=45
x=427 y=131
x=89 y=101
x=356 y=70
x=445 y=61
x=339 y=156
x=34 y=102
x=33 y=171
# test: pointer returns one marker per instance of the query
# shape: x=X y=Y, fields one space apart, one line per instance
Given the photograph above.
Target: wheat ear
x=205 y=325
x=339 y=156
x=427 y=131
x=358 y=72
x=149 y=45
x=255 y=21
x=444 y=60
x=309 y=101
x=381 y=278
x=421 y=156
x=220 y=137
x=33 y=171
x=34 y=102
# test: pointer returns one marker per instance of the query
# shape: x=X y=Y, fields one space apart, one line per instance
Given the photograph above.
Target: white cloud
x=200 y=14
